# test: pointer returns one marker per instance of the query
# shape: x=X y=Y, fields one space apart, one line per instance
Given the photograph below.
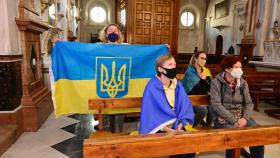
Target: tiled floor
x=63 y=137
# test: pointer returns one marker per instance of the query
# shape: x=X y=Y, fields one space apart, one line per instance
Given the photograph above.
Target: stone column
x=265 y=26
x=249 y=34
x=278 y=8
x=273 y=18
x=239 y=14
x=248 y=42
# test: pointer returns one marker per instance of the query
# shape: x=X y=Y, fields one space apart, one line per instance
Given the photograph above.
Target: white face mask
x=236 y=73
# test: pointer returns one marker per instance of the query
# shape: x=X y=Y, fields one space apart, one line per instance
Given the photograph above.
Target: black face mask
x=113 y=37
x=170 y=73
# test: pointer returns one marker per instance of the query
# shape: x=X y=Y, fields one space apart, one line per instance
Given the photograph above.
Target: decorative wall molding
x=31 y=25
x=271 y=51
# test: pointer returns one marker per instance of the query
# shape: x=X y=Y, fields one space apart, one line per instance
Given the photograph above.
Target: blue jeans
x=199 y=113
x=255 y=152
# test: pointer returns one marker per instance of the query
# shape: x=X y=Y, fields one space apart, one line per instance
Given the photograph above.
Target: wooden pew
x=180 y=76
x=101 y=104
x=176 y=143
x=109 y=103
x=263 y=85
x=215 y=69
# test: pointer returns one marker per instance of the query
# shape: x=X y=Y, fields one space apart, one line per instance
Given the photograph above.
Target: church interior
x=29 y=128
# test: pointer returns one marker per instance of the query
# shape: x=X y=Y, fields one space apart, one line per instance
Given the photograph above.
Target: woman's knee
x=226 y=125
x=251 y=122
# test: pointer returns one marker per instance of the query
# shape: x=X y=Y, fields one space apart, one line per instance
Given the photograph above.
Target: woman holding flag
x=111 y=34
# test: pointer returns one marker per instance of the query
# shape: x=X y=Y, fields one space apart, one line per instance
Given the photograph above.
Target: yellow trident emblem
x=112 y=86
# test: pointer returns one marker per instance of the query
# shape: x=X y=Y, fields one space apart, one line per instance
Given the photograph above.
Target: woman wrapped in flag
x=197 y=82
x=165 y=104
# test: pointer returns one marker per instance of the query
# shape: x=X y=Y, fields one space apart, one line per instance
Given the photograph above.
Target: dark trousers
x=255 y=152
x=113 y=123
x=199 y=113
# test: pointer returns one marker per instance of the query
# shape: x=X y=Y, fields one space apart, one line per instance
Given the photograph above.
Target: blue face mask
x=113 y=37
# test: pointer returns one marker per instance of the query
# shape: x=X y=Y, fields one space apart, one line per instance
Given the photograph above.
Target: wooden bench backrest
x=109 y=103
x=216 y=68
x=263 y=80
x=96 y=104
x=170 y=144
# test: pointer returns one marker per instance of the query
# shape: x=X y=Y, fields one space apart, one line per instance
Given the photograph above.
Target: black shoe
x=244 y=153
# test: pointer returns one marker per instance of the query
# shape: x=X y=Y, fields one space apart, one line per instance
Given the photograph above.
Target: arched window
x=98 y=14
x=123 y=17
x=52 y=11
x=187 y=19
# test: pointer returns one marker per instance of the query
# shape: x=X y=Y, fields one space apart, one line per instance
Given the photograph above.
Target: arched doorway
x=219 y=45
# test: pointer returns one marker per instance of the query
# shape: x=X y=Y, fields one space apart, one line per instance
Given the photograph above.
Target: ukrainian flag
x=81 y=71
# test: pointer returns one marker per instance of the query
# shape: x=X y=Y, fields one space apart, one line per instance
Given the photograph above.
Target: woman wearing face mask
x=111 y=34
x=165 y=104
x=231 y=103
x=197 y=82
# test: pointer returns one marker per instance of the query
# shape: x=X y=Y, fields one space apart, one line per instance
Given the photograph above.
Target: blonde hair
x=103 y=34
x=195 y=55
x=162 y=59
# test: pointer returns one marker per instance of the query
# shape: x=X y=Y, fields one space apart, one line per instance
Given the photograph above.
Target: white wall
x=9 y=34
x=87 y=26
x=227 y=33
x=188 y=39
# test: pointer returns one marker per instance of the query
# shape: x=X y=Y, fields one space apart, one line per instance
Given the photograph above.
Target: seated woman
x=165 y=104
x=231 y=103
x=197 y=82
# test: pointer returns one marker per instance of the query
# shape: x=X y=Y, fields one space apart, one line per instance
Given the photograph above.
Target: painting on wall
x=221 y=9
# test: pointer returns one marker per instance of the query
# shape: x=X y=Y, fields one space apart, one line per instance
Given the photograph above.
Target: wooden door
x=163 y=21
x=152 y=22
x=143 y=26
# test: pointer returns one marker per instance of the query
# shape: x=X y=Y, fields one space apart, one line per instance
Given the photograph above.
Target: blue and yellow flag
x=82 y=71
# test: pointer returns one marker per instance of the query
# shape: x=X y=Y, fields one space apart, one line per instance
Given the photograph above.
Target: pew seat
x=263 y=85
x=257 y=95
x=101 y=104
x=165 y=144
